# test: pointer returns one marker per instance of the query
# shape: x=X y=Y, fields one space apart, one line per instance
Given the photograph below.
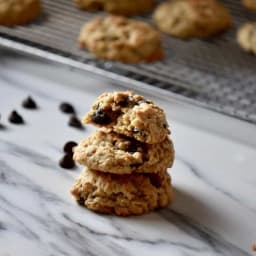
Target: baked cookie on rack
x=246 y=37
x=123 y=195
x=250 y=4
x=120 y=7
x=121 y=39
x=115 y=153
x=192 y=18
x=19 y=12
x=129 y=114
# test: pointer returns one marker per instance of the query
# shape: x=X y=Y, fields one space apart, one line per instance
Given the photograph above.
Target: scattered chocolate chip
x=68 y=147
x=75 y=122
x=29 y=103
x=2 y=127
x=67 y=108
x=67 y=162
x=15 y=118
x=101 y=117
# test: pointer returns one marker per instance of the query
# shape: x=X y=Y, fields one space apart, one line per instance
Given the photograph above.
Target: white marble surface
x=214 y=177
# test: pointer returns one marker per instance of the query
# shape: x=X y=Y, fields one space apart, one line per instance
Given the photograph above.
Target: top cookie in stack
x=131 y=115
x=126 y=160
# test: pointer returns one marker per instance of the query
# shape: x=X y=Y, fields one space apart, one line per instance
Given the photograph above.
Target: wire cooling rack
x=213 y=73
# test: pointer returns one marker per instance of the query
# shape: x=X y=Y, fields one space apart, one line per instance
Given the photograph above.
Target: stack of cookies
x=126 y=159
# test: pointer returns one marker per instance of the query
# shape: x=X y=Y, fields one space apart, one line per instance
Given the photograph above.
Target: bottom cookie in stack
x=123 y=195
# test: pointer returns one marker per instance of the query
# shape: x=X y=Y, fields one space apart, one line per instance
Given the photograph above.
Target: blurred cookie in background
x=192 y=18
x=250 y=4
x=121 y=39
x=120 y=7
x=246 y=37
x=19 y=12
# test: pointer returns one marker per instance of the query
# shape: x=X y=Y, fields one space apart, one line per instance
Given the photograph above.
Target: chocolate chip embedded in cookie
x=129 y=114
x=250 y=4
x=121 y=39
x=123 y=7
x=18 y=12
x=246 y=37
x=192 y=18
x=114 y=153
x=123 y=195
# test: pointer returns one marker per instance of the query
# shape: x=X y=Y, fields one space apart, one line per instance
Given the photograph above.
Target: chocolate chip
x=101 y=117
x=155 y=179
x=80 y=201
x=75 y=122
x=2 y=127
x=15 y=118
x=68 y=147
x=132 y=148
x=67 y=108
x=125 y=101
x=29 y=103
x=67 y=162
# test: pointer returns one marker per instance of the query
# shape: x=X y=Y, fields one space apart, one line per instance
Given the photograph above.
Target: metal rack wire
x=214 y=73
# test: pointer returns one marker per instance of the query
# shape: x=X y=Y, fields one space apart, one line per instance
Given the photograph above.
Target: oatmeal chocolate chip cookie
x=250 y=4
x=129 y=114
x=246 y=37
x=121 y=39
x=114 y=153
x=123 y=7
x=123 y=195
x=192 y=18
x=18 y=12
